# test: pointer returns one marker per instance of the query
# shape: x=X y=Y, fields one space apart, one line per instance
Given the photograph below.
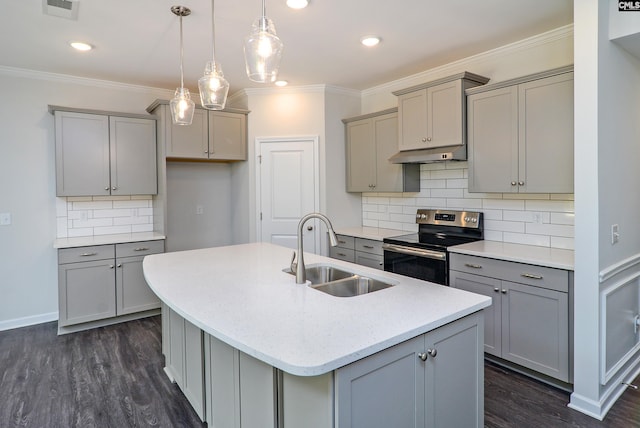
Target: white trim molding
x=27 y=321
x=614 y=269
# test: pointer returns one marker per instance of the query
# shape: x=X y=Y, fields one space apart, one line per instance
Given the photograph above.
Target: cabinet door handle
x=504 y=291
x=119 y=265
x=111 y=266
x=106 y=188
x=424 y=140
x=513 y=183
x=636 y=324
x=141 y=249
x=497 y=290
x=423 y=356
x=531 y=276
x=428 y=138
x=432 y=352
x=114 y=188
x=473 y=265
x=88 y=254
x=520 y=183
x=342 y=255
x=368 y=246
x=341 y=242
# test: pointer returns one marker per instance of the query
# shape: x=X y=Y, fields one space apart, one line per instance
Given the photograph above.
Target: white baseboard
x=26 y=321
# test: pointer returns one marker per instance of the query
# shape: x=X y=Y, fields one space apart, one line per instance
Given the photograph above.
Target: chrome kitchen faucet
x=301 y=273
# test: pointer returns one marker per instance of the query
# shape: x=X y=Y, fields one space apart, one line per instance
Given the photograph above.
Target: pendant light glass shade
x=262 y=50
x=213 y=86
x=181 y=106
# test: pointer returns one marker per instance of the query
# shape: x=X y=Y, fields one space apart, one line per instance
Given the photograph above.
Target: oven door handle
x=418 y=252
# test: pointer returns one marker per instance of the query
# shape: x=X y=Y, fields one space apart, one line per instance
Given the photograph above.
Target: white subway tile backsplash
x=531 y=219
x=101 y=215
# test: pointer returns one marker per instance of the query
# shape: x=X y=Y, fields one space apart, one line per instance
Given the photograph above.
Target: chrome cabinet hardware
x=368 y=246
x=428 y=138
x=114 y=188
x=342 y=254
x=636 y=324
x=141 y=249
x=424 y=140
x=513 y=183
x=504 y=291
x=309 y=228
x=520 y=183
x=119 y=265
x=431 y=352
x=341 y=242
x=497 y=290
x=630 y=385
x=111 y=266
x=531 y=276
x=88 y=254
x=106 y=188
x=473 y=265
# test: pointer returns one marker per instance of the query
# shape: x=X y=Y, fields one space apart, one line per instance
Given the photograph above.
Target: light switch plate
x=5 y=219
x=615 y=234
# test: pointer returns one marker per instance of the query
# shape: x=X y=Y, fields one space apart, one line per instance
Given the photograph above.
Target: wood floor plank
x=113 y=377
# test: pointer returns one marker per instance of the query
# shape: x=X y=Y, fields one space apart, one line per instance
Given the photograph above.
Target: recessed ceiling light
x=81 y=46
x=282 y=83
x=370 y=40
x=297 y=4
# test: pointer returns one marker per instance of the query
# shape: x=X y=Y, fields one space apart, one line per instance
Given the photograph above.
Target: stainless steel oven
x=424 y=255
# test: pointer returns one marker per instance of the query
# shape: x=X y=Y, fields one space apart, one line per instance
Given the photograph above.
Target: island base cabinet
x=182 y=344
x=433 y=380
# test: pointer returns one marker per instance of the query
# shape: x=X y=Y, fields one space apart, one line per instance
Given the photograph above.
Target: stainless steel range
x=424 y=255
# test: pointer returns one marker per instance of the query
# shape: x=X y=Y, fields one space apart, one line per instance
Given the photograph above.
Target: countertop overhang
x=241 y=295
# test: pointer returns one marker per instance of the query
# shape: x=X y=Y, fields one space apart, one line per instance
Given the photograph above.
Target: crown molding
x=66 y=78
x=468 y=62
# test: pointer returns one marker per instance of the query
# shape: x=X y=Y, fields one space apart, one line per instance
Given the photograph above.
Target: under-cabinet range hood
x=438 y=154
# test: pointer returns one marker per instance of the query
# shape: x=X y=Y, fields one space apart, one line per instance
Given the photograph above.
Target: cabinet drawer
x=85 y=254
x=345 y=241
x=375 y=261
x=139 y=248
x=369 y=246
x=343 y=254
x=538 y=276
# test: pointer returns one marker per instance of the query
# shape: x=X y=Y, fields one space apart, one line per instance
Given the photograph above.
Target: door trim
x=308 y=139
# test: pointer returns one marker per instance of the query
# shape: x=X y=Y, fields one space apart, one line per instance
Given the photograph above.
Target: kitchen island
x=281 y=353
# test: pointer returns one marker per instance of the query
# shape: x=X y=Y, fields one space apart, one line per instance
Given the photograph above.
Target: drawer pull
x=342 y=255
x=141 y=249
x=88 y=254
x=341 y=242
x=368 y=247
x=531 y=276
x=473 y=265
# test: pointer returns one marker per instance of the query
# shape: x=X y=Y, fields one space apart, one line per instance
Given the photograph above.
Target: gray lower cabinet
x=101 y=154
x=366 y=252
x=183 y=348
x=528 y=322
x=213 y=135
x=520 y=134
x=371 y=140
x=433 y=380
x=104 y=281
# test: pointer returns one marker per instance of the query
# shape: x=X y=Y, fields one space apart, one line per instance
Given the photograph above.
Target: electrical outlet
x=615 y=234
x=5 y=219
x=537 y=218
x=199 y=209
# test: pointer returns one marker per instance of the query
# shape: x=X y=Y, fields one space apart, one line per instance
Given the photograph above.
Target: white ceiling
x=137 y=41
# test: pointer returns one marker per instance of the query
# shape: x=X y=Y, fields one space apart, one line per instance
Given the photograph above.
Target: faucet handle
x=293 y=265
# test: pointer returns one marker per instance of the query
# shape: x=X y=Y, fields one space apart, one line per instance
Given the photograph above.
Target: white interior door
x=288 y=191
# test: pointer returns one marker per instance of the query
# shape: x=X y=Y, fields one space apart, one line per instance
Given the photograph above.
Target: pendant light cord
x=213 y=34
x=181 y=56
x=263 y=19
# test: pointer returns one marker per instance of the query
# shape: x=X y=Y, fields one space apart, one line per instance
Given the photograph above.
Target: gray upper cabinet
x=101 y=154
x=433 y=114
x=371 y=140
x=213 y=135
x=520 y=135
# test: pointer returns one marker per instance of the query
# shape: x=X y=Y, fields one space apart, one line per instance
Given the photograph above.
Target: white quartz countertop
x=240 y=295
x=369 y=232
x=530 y=254
x=87 y=241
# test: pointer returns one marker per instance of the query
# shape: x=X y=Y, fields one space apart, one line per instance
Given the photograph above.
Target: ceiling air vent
x=61 y=8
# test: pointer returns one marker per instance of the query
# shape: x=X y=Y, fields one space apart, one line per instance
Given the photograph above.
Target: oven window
x=416 y=267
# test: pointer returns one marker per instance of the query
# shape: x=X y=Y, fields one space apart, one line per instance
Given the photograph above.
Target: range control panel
x=448 y=218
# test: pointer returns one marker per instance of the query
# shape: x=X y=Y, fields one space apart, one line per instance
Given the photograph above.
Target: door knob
x=309 y=227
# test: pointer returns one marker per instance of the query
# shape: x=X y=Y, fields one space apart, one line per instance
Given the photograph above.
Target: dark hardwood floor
x=112 y=377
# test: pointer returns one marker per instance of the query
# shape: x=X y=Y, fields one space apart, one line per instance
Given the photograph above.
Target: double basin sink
x=341 y=283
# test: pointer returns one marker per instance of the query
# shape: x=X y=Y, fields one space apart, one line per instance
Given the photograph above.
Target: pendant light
x=262 y=50
x=213 y=86
x=182 y=107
